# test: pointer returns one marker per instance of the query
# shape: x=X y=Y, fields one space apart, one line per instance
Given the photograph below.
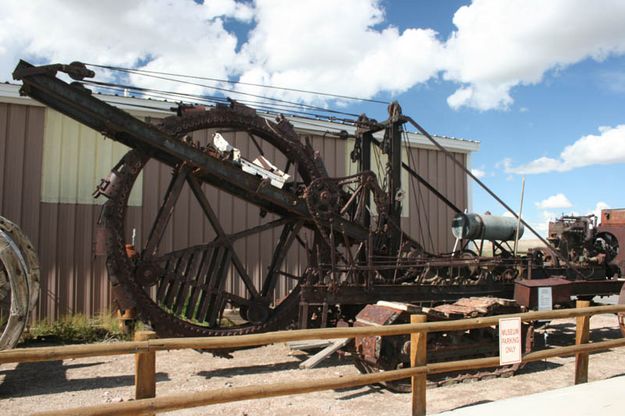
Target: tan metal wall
x=63 y=230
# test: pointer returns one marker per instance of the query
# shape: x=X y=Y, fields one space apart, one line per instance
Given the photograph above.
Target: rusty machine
x=356 y=252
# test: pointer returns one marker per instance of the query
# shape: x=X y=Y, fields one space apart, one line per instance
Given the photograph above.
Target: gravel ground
x=30 y=387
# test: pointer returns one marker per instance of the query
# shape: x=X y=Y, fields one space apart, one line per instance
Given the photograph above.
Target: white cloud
x=598 y=207
x=608 y=147
x=344 y=47
x=329 y=46
x=501 y=44
x=479 y=173
x=179 y=36
x=542 y=226
x=556 y=201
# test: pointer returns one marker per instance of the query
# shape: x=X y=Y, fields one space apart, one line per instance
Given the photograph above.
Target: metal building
x=50 y=165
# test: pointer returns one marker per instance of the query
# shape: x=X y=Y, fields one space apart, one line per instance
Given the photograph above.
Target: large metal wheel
x=19 y=282
x=190 y=291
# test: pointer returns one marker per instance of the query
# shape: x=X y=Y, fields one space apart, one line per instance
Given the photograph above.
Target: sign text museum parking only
x=509 y=341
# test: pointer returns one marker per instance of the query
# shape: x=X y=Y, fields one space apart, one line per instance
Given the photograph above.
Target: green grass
x=75 y=329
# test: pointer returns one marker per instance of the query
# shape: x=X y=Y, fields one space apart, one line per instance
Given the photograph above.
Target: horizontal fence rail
x=213 y=343
x=418 y=372
x=233 y=394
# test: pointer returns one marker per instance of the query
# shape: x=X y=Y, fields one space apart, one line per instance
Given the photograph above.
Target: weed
x=75 y=329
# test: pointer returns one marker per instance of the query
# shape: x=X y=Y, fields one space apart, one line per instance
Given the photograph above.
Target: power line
x=231 y=91
x=325 y=94
x=287 y=109
x=268 y=108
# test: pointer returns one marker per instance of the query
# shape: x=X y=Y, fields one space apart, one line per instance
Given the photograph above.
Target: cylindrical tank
x=485 y=227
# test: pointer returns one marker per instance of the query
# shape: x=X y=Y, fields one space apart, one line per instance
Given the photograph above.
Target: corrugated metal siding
x=75 y=158
x=429 y=221
x=21 y=129
x=74 y=280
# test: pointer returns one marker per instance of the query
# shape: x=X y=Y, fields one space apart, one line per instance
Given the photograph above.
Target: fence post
x=581 y=337
x=145 y=368
x=418 y=357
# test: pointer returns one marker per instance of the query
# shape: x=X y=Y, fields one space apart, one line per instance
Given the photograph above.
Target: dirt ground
x=30 y=387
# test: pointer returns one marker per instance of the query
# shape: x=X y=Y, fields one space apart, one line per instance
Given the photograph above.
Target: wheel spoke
x=258 y=229
x=189 y=280
x=164 y=213
x=212 y=301
x=260 y=150
x=289 y=232
x=196 y=188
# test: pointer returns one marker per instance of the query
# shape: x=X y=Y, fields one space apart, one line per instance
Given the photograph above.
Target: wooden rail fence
x=145 y=346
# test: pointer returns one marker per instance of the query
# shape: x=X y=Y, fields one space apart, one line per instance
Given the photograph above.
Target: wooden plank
x=581 y=337
x=418 y=358
x=324 y=353
x=309 y=344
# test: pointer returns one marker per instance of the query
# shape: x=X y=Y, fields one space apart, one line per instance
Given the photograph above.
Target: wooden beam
x=309 y=345
x=196 y=399
x=581 y=337
x=145 y=368
x=324 y=353
x=418 y=358
x=77 y=351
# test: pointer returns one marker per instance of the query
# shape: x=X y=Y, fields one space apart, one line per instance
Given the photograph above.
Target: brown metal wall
x=73 y=280
x=429 y=220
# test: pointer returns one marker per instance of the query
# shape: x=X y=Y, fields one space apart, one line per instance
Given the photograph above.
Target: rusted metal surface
x=526 y=291
x=378 y=353
x=613 y=222
x=348 y=227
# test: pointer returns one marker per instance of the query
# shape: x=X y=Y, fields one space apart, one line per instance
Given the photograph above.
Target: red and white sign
x=509 y=341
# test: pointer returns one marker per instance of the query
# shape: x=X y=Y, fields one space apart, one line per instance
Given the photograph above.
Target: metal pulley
x=485 y=227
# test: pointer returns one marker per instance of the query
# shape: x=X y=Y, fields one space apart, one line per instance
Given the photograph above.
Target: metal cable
x=325 y=94
x=284 y=108
x=231 y=91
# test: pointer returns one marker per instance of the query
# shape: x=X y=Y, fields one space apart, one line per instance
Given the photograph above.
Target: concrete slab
x=605 y=398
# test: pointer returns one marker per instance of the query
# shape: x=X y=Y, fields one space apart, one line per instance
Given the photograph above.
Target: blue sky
x=534 y=81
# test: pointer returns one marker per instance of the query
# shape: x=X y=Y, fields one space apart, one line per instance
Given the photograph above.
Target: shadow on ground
x=49 y=377
x=270 y=368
